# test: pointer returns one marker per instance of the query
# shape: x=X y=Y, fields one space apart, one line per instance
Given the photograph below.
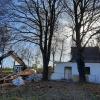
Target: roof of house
x=91 y=54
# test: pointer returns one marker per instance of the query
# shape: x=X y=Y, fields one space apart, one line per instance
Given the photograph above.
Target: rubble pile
x=18 y=79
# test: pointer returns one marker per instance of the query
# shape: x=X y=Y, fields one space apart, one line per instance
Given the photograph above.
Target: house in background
x=69 y=71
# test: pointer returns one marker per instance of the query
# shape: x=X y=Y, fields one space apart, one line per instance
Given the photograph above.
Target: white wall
x=59 y=70
x=94 y=71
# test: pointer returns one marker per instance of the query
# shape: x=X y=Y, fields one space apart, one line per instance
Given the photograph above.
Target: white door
x=68 y=73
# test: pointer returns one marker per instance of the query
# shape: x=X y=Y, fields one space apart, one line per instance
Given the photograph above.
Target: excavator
x=15 y=57
x=24 y=70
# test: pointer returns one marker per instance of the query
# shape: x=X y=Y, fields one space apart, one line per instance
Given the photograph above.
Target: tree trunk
x=45 y=69
x=0 y=65
x=53 y=60
x=81 y=66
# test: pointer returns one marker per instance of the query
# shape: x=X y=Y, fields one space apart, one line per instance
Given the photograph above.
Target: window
x=68 y=67
x=87 y=70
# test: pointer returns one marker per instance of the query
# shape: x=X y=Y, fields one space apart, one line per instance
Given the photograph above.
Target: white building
x=69 y=71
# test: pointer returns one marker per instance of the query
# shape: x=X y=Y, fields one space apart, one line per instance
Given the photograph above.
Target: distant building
x=69 y=71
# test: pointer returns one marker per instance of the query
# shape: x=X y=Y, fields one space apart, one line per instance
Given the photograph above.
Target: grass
x=7 y=70
x=51 y=90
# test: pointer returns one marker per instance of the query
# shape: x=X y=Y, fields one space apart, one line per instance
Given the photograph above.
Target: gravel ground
x=50 y=90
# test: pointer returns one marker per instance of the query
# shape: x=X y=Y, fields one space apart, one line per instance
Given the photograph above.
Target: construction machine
x=15 y=57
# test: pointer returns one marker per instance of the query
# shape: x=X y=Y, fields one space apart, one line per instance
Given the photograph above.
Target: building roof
x=91 y=54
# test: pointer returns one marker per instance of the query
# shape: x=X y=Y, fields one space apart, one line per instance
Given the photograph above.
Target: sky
x=8 y=62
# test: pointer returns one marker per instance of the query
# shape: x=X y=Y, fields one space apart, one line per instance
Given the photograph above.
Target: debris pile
x=18 y=79
x=27 y=72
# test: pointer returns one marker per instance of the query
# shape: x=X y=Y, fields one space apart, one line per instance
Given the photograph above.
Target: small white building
x=69 y=71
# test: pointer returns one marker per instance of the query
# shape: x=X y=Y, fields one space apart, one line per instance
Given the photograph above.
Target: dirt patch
x=50 y=90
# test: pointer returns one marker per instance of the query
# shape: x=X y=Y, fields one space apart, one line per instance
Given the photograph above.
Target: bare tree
x=58 y=48
x=5 y=37
x=5 y=32
x=4 y=13
x=37 y=19
x=26 y=55
x=62 y=50
x=54 y=48
x=84 y=18
x=37 y=58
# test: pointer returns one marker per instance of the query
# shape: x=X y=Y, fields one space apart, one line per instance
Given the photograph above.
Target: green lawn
x=7 y=70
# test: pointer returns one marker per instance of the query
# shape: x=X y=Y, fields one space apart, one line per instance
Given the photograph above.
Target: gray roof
x=91 y=54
